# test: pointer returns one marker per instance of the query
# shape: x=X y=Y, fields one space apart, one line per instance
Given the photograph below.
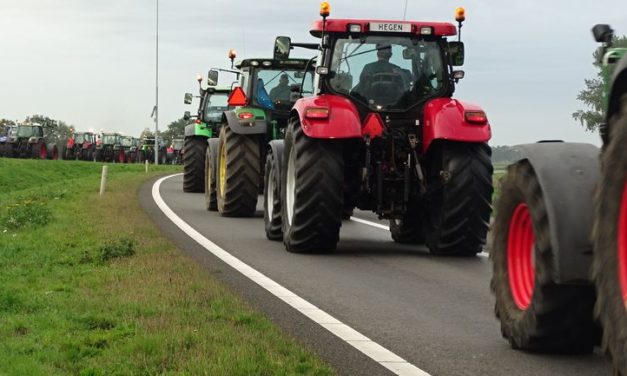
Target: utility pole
x=157 y=90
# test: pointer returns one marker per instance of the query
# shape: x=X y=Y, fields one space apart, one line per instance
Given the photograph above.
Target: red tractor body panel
x=342 y=26
x=342 y=121
x=445 y=118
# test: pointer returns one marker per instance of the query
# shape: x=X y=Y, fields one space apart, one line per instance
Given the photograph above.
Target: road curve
x=434 y=312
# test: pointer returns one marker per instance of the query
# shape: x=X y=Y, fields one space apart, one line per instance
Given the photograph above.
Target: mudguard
x=343 y=120
x=245 y=126
x=277 y=147
x=568 y=174
x=198 y=129
x=444 y=118
x=618 y=87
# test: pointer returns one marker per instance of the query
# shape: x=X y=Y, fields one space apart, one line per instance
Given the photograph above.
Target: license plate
x=390 y=27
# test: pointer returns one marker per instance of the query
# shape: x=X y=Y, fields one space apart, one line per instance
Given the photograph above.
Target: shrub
x=25 y=213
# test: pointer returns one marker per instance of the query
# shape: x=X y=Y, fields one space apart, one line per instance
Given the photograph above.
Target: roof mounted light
x=322 y=71
x=266 y=63
x=460 y=14
x=354 y=28
x=426 y=30
x=254 y=63
x=232 y=54
x=325 y=9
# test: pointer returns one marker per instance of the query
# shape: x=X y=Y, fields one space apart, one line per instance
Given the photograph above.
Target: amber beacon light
x=460 y=14
x=325 y=9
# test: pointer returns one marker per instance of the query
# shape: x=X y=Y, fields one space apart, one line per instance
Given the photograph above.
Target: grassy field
x=88 y=286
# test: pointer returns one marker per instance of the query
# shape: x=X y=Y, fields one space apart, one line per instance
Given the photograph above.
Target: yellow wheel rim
x=222 y=169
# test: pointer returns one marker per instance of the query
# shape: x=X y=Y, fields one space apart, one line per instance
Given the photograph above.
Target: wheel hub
x=270 y=193
x=622 y=244
x=520 y=257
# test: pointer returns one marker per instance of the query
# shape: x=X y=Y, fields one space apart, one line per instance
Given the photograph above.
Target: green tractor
x=147 y=151
x=213 y=101
x=559 y=248
x=261 y=107
x=28 y=141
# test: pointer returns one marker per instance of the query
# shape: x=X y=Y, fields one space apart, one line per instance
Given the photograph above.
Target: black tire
x=272 y=197
x=409 y=229
x=238 y=159
x=553 y=318
x=610 y=202
x=458 y=202
x=211 y=166
x=194 y=164
x=315 y=169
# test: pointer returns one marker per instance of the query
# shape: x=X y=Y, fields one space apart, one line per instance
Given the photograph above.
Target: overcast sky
x=92 y=63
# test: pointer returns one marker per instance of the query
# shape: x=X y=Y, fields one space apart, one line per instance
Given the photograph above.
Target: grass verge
x=88 y=286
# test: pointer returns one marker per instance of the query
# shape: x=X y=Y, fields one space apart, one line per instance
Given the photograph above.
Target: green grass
x=88 y=286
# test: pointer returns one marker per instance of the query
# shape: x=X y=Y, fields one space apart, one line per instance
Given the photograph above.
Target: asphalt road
x=435 y=312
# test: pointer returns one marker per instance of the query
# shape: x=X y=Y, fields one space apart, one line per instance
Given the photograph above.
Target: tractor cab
x=391 y=68
x=109 y=139
x=27 y=132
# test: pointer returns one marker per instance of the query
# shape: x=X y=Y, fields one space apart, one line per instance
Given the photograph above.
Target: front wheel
x=609 y=267
x=536 y=314
x=312 y=192
x=272 y=194
x=458 y=199
x=211 y=167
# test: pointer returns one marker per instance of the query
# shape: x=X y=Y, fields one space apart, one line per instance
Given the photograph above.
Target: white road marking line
x=376 y=352
x=387 y=228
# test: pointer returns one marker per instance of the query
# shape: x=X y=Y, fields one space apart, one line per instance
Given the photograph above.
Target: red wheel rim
x=43 y=153
x=121 y=157
x=622 y=244
x=520 y=257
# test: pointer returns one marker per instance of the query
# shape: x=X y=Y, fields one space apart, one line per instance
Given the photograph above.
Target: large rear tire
x=194 y=164
x=312 y=192
x=609 y=268
x=211 y=166
x=459 y=197
x=272 y=196
x=39 y=150
x=238 y=173
x=536 y=314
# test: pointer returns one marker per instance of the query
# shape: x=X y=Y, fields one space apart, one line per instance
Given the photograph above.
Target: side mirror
x=188 y=98
x=603 y=33
x=458 y=75
x=187 y=115
x=456 y=50
x=212 y=77
x=282 y=46
x=409 y=53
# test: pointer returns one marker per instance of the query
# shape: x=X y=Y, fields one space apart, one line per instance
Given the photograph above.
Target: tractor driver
x=382 y=65
x=282 y=91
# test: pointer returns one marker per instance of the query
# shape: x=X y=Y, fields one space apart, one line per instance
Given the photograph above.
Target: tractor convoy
x=559 y=249
x=28 y=141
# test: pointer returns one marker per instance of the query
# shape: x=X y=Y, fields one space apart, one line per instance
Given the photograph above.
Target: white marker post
x=146 y=165
x=103 y=180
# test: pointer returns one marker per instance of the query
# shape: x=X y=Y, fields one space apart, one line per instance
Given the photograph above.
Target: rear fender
x=198 y=129
x=618 y=89
x=256 y=125
x=444 y=118
x=343 y=120
x=568 y=174
x=277 y=147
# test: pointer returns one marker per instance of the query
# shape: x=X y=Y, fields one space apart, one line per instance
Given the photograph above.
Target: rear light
x=476 y=117
x=354 y=28
x=246 y=115
x=197 y=121
x=317 y=113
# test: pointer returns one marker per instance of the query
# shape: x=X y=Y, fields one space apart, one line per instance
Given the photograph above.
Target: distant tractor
x=380 y=131
x=560 y=235
x=147 y=151
x=260 y=110
x=81 y=145
x=174 y=153
x=28 y=141
x=110 y=148
x=213 y=101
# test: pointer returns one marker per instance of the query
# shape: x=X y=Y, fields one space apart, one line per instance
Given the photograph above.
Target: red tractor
x=81 y=145
x=381 y=132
